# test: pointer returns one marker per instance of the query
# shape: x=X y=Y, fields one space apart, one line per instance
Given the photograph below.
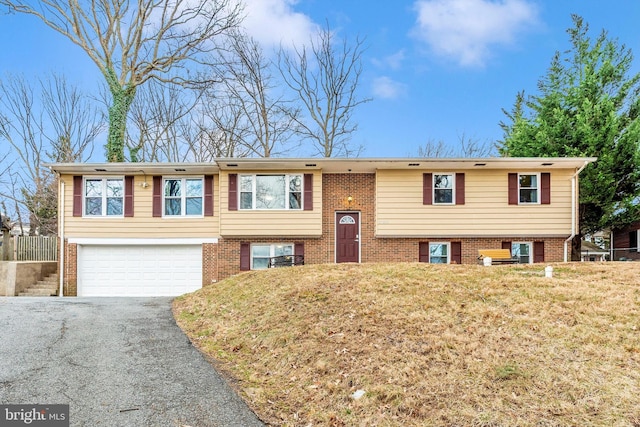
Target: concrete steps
x=46 y=287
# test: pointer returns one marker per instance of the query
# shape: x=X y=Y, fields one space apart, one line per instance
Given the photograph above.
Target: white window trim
x=530 y=250
x=271 y=250
x=538 y=188
x=253 y=191
x=447 y=244
x=183 y=197
x=104 y=196
x=453 y=188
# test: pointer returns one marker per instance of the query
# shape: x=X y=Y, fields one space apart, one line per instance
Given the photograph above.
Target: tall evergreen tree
x=587 y=105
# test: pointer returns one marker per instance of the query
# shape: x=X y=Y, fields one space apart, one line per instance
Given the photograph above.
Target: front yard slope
x=427 y=345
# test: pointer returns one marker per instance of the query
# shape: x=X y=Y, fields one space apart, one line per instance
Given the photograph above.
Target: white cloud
x=272 y=22
x=466 y=29
x=393 y=61
x=387 y=88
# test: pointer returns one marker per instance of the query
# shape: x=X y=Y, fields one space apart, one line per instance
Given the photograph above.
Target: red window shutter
x=423 y=254
x=456 y=252
x=245 y=256
x=545 y=185
x=298 y=250
x=427 y=190
x=459 y=189
x=308 y=192
x=77 y=196
x=128 y=196
x=208 y=195
x=513 y=189
x=538 y=251
x=506 y=245
x=157 y=196
x=233 y=191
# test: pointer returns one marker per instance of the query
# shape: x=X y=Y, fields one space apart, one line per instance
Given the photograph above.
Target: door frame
x=335 y=234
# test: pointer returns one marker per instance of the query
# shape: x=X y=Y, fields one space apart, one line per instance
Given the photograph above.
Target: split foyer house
x=170 y=228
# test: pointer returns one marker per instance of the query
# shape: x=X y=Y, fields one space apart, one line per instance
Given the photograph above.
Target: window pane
x=521 y=251
x=93 y=188
x=194 y=206
x=172 y=188
x=245 y=201
x=442 y=181
x=438 y=250
x=93 y=206
x=261 y=251
x=528 y=196
x=194 y=187
x=260 y=263
x=280 y=250
x=528 y=181
x=114 y=206
x=295 y=183
x=246 y=183
x=114 y=188
x=270 y=191
x=172 y=207
x=295 y=200
x=443 y=196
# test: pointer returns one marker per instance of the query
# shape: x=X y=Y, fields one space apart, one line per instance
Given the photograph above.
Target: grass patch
x=429 y=345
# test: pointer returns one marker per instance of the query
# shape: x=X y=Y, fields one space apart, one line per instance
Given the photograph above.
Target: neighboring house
x=592 y=252
x=171 y=228
x=624 y=243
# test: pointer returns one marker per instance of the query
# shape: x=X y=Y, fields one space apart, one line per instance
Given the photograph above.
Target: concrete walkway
x=115 y=361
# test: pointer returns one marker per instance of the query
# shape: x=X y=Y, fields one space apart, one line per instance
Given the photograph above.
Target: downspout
x=574 y=230
x=61 y=234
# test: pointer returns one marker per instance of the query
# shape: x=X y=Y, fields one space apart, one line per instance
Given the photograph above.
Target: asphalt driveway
x=115 y=361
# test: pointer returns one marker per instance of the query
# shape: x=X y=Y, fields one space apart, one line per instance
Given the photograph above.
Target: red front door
x=348 y=237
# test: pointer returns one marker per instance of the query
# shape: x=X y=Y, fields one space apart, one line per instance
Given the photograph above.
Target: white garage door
x=149 y=270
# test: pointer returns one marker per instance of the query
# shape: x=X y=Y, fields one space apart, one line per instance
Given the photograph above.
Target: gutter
x=574 y=227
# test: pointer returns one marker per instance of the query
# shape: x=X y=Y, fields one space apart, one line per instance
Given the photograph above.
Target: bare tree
x=52 y=121
x=132 y=42
x=466 y=148
x=253 y=114
x=325 y=78
x=157 y=119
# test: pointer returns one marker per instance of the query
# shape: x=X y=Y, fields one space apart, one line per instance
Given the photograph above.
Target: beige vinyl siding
x=267 y=223
x=142 y=224
x=486 y=211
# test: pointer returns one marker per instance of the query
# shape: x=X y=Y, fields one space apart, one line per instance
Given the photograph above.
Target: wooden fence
x=35 y=248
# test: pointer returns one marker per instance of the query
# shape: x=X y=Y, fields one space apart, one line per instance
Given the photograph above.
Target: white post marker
x=548 y=271
x=487 y=261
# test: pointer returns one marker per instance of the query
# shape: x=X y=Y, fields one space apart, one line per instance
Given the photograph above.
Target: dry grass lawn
x=429 y=345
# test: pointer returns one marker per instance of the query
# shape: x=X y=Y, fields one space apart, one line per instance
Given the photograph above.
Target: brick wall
x=70 y=280
x=336 y=188
x=209 y=264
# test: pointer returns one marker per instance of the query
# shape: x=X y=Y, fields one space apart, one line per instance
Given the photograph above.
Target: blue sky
x=436 y=69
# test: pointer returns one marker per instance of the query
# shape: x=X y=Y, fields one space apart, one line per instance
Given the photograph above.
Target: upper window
x=443 y=189
x=528 y=188
x=271 y=192
x=103 y=196
x=183 y=196
x=439 y=253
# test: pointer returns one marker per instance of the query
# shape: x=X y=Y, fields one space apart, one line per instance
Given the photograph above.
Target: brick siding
x=70 y=279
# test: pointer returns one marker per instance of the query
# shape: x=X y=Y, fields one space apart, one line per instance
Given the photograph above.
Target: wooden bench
x=498 y=256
